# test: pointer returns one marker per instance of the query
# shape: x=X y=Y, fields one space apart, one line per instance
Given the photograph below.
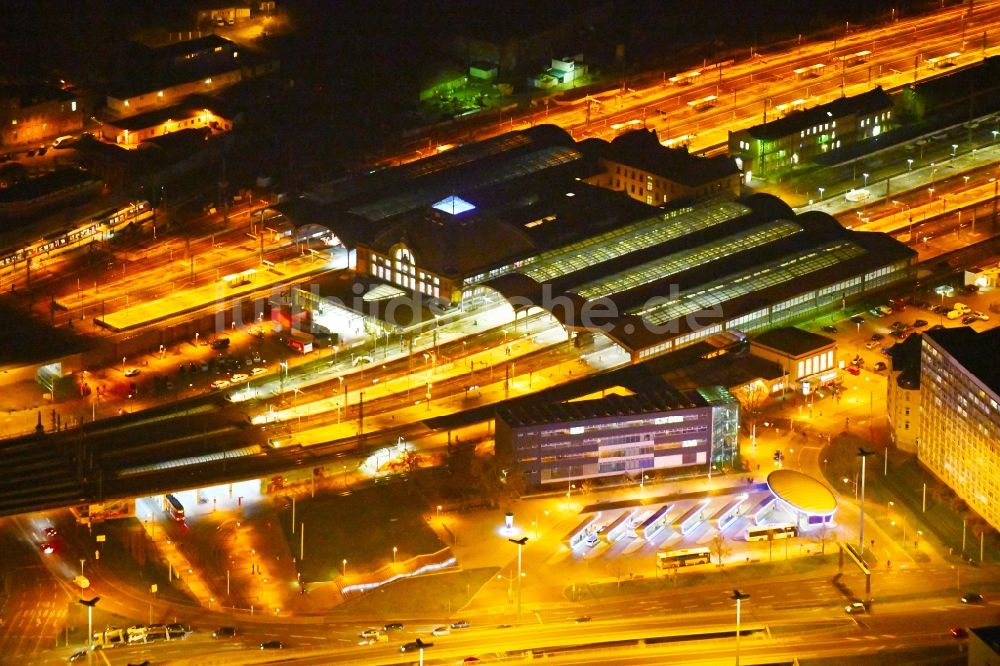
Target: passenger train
x=101 y=227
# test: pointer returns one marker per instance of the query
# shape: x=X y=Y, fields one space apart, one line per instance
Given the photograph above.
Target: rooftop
x=977 y=353
x=29 y=94
x=802 y=492
x=867 y=102
x=156 y=117
x=792 y=341
x=34 y=188
x=642 y=149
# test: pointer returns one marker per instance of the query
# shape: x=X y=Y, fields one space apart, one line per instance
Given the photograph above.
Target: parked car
x=857 y=319
x=853 y=370
x=441 y=631
x=877 y=336
x=880 y=366
x=460 y=624
x=258 y=371
x=370 y=632
x=63 y=142
x=982 y=316
x=240 y=377
x=132 y=372
x=969 y=320
x=829 y=329
x=920 y=323
x=220 y=383
x=871 y=345
x=941 y=309
x=220 y=343
x=899 y=334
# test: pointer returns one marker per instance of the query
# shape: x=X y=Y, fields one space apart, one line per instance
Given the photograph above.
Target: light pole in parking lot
x=520 y=544
x=738 y=597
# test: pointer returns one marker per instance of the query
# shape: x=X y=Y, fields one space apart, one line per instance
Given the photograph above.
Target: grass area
x=361 y=527
x=904 y=486
x=433 y=595
x=706 y=574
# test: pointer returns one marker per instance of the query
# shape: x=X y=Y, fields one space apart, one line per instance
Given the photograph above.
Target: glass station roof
x=677 y=262
x=640 y=235
x=509 y=169
x=733 y=286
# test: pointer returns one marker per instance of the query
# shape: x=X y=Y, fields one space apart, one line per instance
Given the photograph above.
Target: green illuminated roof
x=719 y=291
x=640 y=235
x=680 y=261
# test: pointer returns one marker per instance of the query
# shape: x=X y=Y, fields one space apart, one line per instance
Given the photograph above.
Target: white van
x=63 y=141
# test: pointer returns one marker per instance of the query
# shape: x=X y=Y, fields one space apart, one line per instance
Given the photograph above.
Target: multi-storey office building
x=960 y=423
x=664 y=429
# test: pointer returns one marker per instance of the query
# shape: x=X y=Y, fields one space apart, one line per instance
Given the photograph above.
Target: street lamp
x=954 y=149
x=520 y=544
x=394 y=554
x=738 y=597
x=821 y=189
x=909 y=164
x=344 y=565
x=862 y=453
x=865 y=176
x=90 y=619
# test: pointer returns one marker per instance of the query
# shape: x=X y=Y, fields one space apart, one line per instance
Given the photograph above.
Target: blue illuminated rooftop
x=454 y=205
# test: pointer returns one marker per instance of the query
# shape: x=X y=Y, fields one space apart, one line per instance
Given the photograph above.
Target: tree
x=751 y=397
x=719 y=548
x=821 y=534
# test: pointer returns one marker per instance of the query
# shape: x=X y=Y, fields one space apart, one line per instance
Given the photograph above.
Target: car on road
x=63 y=142
x=857 y=319
x=81 y=582
x=240 y=377
x=941 y=309
x=959 y=632
x=441 y=631
x=460 y=624
x=920 y=323
x=853 y=370
x=505 y=626
x=899 y=334
x=220 y=383
x=876 y=313
x=392 y=626
x=370 y=632
x=854 y=608
x=51 y=532
x=177 y=630
x=224 y=632
x=220 y=343
x=582 y=619
x=258 y=371
x=972 y=598
x=876 y=337
x=829 y=329
x=48 y=548
x=871 y=345
x=413 y=645
x=272 y=645
x=79 y=655
x=880 y=366
x=132 y=372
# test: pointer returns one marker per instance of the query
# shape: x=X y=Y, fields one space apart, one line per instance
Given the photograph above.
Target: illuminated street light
x=865 y=176
x=344 y=569
x=394 y=554
x=863 y=454
x=520 y=544
x=90 y=619
x=820 y=192
x=954 y=149
x=909 y=164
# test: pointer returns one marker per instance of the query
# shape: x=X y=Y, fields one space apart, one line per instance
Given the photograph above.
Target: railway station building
x=514 y=226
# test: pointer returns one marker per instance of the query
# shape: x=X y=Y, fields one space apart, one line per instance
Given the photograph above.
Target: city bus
x=666 y=559
x=656 y=522
x=770 y=532
x=175 y=507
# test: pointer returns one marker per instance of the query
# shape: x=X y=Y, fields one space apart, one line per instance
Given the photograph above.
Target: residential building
x=130 y=131
x=30 y=114
x=903 y=394
x=960 y=424
x=778 y=145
